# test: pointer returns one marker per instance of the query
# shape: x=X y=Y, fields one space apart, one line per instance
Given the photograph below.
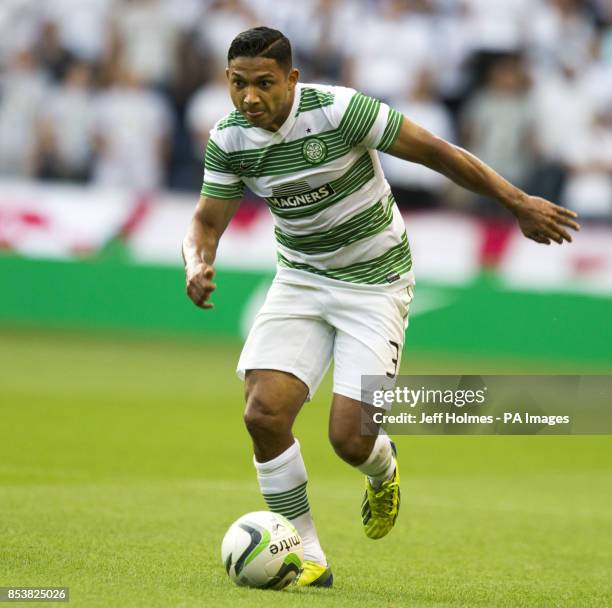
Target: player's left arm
x=539 y=219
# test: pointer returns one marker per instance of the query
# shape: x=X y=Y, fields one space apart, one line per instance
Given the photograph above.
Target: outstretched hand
x=543 y=221
x=200 y=285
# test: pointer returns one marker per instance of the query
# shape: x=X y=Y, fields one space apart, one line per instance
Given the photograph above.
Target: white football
x=263 y=550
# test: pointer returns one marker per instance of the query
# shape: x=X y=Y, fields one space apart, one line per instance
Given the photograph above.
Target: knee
x=352 y=448
x=261 y=420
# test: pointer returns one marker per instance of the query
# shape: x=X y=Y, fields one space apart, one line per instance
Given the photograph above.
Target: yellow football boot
x=315 y=575
x=381 y=505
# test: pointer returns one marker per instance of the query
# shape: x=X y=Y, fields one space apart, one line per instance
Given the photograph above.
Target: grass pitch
x=123 y=461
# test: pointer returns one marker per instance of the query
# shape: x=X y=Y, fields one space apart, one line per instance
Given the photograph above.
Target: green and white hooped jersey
x=334 y=214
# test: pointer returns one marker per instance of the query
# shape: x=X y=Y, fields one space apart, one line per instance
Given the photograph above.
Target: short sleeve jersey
x=320 y=175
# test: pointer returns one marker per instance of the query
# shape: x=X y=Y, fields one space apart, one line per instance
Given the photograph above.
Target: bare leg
x=273 y=400
x=345 y=429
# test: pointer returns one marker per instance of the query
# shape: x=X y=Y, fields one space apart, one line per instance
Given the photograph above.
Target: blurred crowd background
x=124 y=92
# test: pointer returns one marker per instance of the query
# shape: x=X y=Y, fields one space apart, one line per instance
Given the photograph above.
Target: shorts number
x=394 y=361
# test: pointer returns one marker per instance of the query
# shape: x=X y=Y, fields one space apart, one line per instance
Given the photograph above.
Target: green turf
x=123 y=461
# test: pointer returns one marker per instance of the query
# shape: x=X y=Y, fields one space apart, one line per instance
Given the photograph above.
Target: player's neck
x=279 y=121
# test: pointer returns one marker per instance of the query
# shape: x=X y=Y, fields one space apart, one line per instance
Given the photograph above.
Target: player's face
x=261 y=90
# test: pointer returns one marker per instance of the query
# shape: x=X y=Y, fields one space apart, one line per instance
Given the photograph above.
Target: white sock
x=282 y=482
x=380 y=463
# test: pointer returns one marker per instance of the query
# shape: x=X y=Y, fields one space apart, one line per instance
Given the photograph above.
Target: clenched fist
x=199 y=284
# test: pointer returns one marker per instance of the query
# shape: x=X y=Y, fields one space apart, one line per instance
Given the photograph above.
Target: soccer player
x=344 y=280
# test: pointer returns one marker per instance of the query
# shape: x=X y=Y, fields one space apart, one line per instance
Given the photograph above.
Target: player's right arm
x=210 y=219
x=222 y=191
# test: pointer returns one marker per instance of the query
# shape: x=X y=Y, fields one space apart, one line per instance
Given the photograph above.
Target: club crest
x=314 y=150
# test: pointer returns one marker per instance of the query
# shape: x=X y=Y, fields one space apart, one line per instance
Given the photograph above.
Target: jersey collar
x=284 y=129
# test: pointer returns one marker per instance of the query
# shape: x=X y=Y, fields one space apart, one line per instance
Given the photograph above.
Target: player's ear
x=293 y=76
x=227 y=73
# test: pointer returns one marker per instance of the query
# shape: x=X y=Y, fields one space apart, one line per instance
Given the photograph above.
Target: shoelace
x=384 y=507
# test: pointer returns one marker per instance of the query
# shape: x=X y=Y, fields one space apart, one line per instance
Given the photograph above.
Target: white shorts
x=301 y=327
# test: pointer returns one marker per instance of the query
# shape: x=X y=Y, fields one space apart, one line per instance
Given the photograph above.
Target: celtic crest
x=314 y=150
